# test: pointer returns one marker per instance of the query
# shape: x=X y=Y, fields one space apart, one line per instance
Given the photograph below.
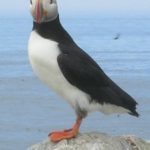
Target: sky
x=132 y=7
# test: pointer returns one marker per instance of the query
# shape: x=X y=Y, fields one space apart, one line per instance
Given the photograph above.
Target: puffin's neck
x=53 y=30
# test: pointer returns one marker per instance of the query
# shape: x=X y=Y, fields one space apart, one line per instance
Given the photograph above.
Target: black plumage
x=82 y=71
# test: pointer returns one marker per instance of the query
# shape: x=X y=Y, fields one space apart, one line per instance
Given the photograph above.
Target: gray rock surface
x=95 y=141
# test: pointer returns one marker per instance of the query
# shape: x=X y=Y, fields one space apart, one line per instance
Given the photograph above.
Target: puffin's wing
x=84 y=73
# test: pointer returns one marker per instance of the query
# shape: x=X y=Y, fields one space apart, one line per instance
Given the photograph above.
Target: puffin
x=69 y=71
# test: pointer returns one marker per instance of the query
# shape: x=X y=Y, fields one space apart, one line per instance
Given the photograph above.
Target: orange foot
x=66 y=134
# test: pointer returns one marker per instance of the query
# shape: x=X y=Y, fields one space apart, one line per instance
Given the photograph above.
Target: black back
x=82 y=71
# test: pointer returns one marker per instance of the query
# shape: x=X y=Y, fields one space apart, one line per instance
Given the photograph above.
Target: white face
x=43 y=10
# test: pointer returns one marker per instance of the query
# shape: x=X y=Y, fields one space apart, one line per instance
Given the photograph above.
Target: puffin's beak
x=38 y=11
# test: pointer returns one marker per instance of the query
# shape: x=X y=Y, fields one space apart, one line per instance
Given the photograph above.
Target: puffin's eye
x=31 y=2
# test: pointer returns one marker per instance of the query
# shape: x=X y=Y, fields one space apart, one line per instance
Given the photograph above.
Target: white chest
x=43 y=58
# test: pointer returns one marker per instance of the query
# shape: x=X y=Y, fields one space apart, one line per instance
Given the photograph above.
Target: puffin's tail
x=130 y=104
x=134 y=113
x=125 y=99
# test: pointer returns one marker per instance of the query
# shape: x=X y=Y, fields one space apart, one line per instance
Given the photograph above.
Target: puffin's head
x=43 y=10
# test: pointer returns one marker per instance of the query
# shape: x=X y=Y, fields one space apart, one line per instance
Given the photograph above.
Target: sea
x=29 y=110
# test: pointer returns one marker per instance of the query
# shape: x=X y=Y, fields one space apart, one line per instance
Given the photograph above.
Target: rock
x=95 y=141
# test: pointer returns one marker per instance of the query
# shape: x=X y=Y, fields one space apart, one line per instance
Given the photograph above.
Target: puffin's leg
x=66 y=134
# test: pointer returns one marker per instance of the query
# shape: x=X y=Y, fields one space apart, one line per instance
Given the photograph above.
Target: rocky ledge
x=95 y=141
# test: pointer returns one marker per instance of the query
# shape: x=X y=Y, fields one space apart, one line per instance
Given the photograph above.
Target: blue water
x=29 y=110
